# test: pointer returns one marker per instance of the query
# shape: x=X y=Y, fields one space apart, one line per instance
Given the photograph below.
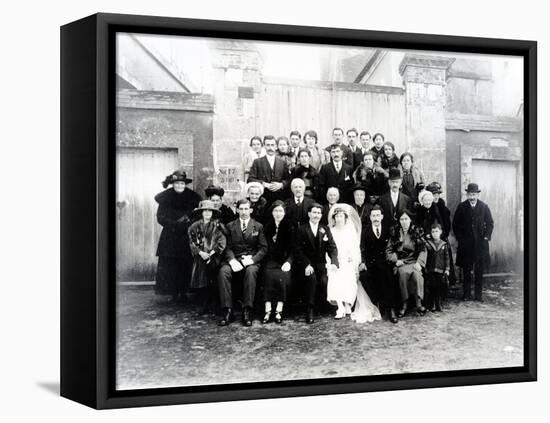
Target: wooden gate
x=140 y=172
x=498 y=180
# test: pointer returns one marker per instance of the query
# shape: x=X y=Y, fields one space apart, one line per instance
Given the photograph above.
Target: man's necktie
x=244 y=227
x=377 y=232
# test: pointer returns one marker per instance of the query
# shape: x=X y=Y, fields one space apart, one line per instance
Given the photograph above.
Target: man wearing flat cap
x=473 y=227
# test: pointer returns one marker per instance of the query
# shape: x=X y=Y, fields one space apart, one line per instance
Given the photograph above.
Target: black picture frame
x=88 y=186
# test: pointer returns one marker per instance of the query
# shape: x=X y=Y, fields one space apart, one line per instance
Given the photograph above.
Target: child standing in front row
x=438 y=266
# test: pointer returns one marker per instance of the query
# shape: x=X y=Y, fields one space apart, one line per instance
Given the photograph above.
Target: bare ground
x=172 y=345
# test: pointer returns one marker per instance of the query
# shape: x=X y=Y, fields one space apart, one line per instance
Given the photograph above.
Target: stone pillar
x=237 y=76
x=424 y=78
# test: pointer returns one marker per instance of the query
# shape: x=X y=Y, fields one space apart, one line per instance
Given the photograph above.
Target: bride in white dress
x=344 y=288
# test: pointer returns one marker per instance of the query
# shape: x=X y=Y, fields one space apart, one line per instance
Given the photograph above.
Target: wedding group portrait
x=291 y=211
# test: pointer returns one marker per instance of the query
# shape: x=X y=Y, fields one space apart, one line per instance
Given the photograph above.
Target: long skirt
x=342 y=284
x=411 y=281
x=204 y=274
x=276 y=282
x=173 y=274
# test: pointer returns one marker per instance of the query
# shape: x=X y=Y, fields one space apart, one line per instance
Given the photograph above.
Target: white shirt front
x=314 y=227
x=338 y=166
x=394 y=197
x=298 y=200
x=244 y=223
x=271 y=160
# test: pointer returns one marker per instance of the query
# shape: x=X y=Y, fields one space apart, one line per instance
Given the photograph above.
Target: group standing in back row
x=297 y=191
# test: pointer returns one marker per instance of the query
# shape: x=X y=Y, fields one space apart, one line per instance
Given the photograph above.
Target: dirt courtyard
x=172 y=345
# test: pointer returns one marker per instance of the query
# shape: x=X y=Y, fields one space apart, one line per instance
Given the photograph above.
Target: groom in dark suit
x=270 y=171
x=314 y=241
x=246 y=247
x=374 y=271
x=394 y=202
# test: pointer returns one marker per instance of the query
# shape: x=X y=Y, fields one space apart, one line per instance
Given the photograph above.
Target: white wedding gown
x=343 y=283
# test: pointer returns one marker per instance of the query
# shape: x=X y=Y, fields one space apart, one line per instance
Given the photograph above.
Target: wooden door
x=498 y=181
x=140 y=172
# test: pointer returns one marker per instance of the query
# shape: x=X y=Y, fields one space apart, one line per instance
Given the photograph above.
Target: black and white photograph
x=291 y=211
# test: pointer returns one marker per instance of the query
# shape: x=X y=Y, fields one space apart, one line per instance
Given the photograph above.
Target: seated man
x=314 y=242
x=374 y=271
x=246 y=247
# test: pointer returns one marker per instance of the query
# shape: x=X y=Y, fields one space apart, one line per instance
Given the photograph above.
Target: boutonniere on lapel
x=325 y=238
x=346 y=176
x=254 y=232
x=322 y=230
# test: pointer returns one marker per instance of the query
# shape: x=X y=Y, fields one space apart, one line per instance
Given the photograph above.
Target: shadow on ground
x=172 y=345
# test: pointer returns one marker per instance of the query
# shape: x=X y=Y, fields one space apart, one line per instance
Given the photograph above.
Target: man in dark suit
x=297 y=206
x=336 y=174
x=394 y=202
x=338 y=139
x=374 y=271
x=473 y=227
x=354 y=147
x=246 y=247
x=271 y=171
x=313 y=242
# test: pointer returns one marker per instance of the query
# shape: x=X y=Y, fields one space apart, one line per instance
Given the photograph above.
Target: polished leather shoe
x=267 y=317
x=393 y=317
x=421 y=311
x=309 y=316
x=227 y=318
x=247 y=317
x=402 y=312
x=278 y=318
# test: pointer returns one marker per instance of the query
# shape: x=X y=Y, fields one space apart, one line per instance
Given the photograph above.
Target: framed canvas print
x=257 y=211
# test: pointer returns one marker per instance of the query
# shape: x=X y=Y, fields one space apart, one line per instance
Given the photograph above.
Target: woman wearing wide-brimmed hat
x=207 y=242
x=176 y=205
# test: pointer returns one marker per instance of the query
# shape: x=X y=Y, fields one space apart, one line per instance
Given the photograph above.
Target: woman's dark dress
x=279 y=251
x=174 y=265
x=259 y=210
x=310 y=176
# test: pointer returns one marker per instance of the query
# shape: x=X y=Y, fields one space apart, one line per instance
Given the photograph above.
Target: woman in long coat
x=427 y=213
x=371 y=175
x=413 y=178
x=176 y=205
x=305 y=171
x=258 y=204
x=319 y=156
x=280 y=243
x=207 y=242
x=389 y=159
x=406 y=251
x=216 y=193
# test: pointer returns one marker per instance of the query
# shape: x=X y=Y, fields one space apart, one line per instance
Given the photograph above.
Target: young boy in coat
x=438 y=266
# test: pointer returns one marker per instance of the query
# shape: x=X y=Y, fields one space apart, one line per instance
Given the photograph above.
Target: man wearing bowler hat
x=394 y=202
x=473 y=227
